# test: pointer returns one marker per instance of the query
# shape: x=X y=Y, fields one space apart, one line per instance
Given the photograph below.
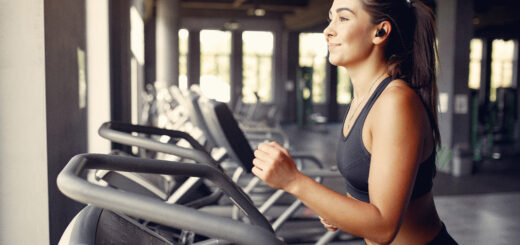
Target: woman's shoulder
x=398 y=98
x=399 y=93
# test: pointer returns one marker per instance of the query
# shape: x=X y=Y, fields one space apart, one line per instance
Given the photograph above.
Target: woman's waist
x=420 y=223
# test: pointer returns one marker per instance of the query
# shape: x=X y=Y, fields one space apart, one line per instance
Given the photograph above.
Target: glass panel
x=183 y=58
x=313 y=53
x=215 y=51
x=257 y=65
x=501 y=65
x=475 y=59
x=344 y=95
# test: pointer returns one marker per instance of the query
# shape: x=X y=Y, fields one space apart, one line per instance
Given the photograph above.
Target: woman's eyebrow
x=342 y=9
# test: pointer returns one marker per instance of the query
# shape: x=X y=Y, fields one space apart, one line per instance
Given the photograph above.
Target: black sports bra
x=353 y=159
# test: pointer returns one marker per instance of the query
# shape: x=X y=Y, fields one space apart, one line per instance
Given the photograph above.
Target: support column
x=66 y=105
x=485 y=74
x=236 y=67
x=193 y=57
x=120 y=64
x=455 y=21
x=290 y=61
x=277 y=86
x=515 y=81
x=167 y=41
x=516 y=84
x=119 y=34
x=332 y=91
x=149 y=47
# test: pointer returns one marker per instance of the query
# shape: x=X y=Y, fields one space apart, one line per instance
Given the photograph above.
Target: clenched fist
x=275 y=166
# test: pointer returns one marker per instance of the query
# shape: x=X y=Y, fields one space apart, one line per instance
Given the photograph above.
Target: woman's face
x=349 y=34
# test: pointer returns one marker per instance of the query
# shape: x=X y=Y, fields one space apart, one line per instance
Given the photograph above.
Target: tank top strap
x=379 y=89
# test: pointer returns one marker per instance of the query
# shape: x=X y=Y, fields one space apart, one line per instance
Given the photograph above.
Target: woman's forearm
x=348 y=214
x=275 y=167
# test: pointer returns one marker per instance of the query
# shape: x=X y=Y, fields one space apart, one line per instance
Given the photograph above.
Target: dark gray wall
x=66 y=121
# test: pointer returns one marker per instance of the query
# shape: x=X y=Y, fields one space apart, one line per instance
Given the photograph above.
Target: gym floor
x=482 y=208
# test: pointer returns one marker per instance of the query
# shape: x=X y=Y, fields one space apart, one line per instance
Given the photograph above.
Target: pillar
x=455 y=30
x=167 y=41
x=236 y=67
x=193 y=57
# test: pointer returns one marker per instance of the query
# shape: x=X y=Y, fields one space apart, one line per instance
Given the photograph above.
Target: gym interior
x=86 y=76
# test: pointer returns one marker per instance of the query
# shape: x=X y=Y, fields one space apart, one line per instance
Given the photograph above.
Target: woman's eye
x=343 y=19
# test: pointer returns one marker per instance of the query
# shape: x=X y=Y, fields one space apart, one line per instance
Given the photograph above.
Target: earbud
x=381 y=32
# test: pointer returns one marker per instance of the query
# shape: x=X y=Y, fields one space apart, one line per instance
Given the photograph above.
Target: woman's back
x=421 y=222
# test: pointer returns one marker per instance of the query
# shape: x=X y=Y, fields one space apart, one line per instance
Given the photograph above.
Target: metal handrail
x=71 y=184
x=122 y=133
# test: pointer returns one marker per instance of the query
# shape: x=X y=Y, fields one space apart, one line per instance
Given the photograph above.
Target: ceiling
x=272 y=6
x=296 y=14
x=497 y=18
x=492 y=17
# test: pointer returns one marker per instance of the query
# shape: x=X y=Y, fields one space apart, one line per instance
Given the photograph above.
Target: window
x=344 y=95
x=501 y=65
x=313 y=53
x=183 y=58
x=257 y=65
x=215 y=51
x=475 y=59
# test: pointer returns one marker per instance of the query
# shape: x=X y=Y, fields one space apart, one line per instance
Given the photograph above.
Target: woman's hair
x=411 y=49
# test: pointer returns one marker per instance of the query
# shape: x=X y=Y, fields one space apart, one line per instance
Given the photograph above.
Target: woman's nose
x=328 y=31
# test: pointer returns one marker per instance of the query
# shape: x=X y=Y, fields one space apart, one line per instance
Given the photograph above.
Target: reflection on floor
x=482 y=208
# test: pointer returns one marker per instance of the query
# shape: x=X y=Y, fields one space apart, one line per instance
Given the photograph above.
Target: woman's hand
x=275 y=166
x=328 y=226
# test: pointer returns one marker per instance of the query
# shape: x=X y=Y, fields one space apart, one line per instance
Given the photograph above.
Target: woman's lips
x=333 y=45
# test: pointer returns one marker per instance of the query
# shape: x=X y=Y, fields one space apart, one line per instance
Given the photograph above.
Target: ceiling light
x=259 y=12
x=256 y=11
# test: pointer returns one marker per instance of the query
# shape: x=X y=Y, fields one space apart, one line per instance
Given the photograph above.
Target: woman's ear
x=382 y=32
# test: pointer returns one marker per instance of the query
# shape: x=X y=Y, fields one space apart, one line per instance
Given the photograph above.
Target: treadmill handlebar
x=72 y=185
x=122 y=133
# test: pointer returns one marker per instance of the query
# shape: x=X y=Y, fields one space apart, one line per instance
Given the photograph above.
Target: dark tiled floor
x=482 y=208
x=490 y=218
x=491 y=176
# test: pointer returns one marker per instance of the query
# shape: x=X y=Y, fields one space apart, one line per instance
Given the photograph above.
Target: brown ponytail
x=411 y=49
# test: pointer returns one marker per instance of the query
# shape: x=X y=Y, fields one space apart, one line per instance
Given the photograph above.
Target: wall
x=65 y=80
x=23 y=146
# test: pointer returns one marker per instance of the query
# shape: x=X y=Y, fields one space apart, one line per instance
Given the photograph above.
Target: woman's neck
x=363 y=75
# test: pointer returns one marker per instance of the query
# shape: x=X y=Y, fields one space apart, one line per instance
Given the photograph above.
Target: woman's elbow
x=385 y=235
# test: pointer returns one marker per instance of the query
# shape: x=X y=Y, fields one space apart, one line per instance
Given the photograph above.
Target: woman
x=386 y=150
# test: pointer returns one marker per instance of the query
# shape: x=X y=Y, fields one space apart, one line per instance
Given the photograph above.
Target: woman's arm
x=397 y=132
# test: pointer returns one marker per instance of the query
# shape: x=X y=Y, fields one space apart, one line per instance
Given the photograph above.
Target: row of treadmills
x=196 y=189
